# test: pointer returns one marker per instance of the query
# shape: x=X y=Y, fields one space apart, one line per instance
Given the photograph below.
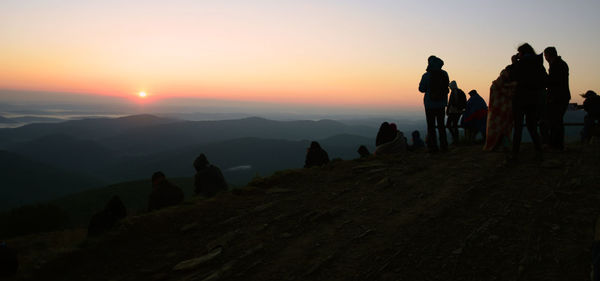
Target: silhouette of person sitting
x=363 y=151
x=9 y=262
x=315 y=156
x=106 y=219
x=396 y=144
x=591 y=105
x=164 y=193
x=386 y=133
x=475 y=117
x=417 y=142
x=208 y=180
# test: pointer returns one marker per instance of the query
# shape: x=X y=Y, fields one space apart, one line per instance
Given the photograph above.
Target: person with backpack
x=434 y=85
x=530 y=75
x=456 y=106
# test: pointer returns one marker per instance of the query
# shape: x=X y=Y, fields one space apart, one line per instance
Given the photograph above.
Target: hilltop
x=454 y=216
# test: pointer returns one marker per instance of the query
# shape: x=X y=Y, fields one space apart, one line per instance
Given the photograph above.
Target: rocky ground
x=460 y=215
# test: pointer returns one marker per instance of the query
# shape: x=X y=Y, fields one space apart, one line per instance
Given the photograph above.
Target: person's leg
x=442 y=128
x=588 y=125
x=560 y=126
x=452 y=126
x=431 y=136
x=531 y=122
x=518 y=128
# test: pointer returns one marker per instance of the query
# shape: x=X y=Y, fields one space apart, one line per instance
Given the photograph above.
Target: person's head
x=416 y=135
x=525 y=49
x=393 y=127
x=589 y=94
x=473 y=93
x=315 y=145
x=550 y=54
x=157 y=177
x=434 y=62
x=453 y=85
x=200 y=162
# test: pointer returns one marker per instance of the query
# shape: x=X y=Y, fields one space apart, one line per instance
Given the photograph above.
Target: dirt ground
x=460 y=215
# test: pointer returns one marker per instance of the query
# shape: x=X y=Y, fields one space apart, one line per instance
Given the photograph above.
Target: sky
x=312 y=53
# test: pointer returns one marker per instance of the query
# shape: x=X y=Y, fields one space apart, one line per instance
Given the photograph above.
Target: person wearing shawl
x=397 y=145
x=500 y=114
x=474 y=118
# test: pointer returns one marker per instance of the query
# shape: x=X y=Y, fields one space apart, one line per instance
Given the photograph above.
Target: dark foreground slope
x=455 y=216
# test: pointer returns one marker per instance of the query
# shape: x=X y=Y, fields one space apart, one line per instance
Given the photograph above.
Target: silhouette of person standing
x=558 y=97
x=530 y=76
x=434 y=85
x=456 y=106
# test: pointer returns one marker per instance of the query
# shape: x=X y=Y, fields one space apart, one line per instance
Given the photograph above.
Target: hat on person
x=588 y=94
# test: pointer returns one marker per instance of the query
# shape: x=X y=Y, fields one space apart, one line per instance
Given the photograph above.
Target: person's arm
x=424 y=84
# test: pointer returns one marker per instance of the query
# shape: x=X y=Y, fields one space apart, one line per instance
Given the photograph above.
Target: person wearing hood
x=475 y=116
x=558 y=98
x=456 y=106
x=315 y=156
x=208 y=180
x=434 y=85
x=531 y=78
x=591 y=105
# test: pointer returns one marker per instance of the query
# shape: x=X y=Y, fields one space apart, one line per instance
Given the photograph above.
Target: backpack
x=461 y=100
x=438 y=85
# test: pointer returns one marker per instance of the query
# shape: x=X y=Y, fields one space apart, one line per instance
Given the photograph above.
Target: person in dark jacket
x=591 y=105
x=530 y=77
x=456 y=106
x=9 y=262
x=434 y=85
x=106 y=219
x=208 y=180
x=557 y=99
x=164 y=193
x=315 y=156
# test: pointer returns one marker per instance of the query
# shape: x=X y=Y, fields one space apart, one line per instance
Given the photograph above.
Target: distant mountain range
x=81 y=154
x=130 y=148
x=26 y=181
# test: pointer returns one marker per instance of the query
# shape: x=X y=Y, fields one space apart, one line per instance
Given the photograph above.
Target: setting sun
x=142 y=94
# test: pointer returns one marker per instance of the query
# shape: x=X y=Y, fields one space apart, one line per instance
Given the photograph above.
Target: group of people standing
x=436 y=86
x=523 y=92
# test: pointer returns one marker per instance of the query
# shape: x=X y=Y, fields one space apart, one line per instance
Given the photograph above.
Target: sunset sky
x=346 y=54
